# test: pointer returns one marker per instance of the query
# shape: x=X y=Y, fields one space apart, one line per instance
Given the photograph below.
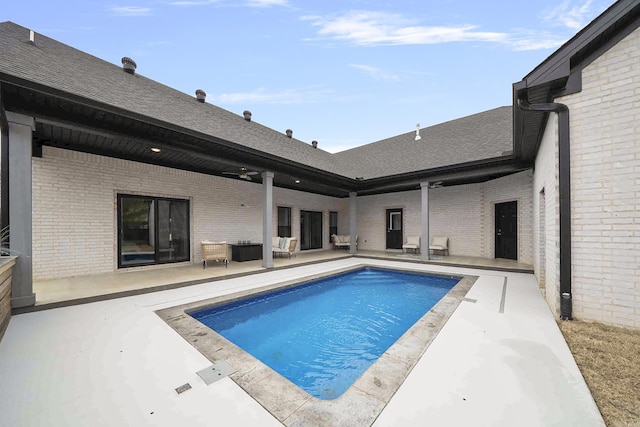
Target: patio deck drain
x=183 y=388
x=215 y=372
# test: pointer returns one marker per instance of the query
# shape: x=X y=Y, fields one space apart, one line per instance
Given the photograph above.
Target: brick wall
x=298 y=200
x=605 y=187
x=546 y=220
x=74 y=208
x=516 y=187
x=464 y=213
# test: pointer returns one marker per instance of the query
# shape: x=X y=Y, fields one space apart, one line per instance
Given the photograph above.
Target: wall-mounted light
x=156 y=149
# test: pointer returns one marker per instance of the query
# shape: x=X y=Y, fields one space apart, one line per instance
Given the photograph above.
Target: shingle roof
x=477 y=137
x=55 y=65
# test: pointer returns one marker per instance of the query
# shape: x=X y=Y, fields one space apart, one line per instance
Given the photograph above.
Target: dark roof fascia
x=561 y=73
x=559 y=64
x=258 y=156
x=454 y=172
x=4 y=122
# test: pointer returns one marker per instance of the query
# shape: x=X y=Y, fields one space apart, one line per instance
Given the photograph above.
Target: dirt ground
x=609 y=359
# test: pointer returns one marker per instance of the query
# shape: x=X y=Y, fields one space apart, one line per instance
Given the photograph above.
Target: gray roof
x=469 y=139
x=55 y=65
x=58 y=66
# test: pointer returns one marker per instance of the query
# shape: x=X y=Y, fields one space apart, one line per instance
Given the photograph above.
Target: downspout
x=564 y=183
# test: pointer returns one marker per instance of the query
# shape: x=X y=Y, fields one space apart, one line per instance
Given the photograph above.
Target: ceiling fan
x=243 y=173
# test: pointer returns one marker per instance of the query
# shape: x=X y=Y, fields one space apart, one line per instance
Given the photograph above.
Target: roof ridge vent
x=129 y=65
x=314 y=143
x=201 y=95
x=289 y=133
x=247 y=115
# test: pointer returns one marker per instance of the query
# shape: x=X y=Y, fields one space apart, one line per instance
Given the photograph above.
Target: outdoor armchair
x=215 y=251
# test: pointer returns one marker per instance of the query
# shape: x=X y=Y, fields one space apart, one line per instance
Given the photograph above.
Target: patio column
x=267 y=219
x=353 y=224
x=20 y=212
x=424 y=239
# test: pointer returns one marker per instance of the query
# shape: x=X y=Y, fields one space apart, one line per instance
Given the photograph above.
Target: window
x=333 y=223
x=284 y=221
x=152 y=230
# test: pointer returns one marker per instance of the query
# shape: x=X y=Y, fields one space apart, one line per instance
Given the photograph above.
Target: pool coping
x=362 y=403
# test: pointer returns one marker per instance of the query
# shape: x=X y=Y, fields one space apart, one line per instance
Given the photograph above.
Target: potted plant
x=4 y=241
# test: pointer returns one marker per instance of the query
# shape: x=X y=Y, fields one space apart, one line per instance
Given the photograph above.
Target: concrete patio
x=500 y=360
x=82 y=289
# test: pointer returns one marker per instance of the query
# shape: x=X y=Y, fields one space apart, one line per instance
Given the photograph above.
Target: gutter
x=564 y=183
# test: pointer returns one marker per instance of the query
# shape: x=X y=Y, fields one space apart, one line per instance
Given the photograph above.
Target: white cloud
x=570 y=15
x=247 y=3
x=367 y=28
x=192 y=2
x=267 y=3
x=370 y=28
x=532 y=40
x=287 y=96
x=130 y=10
x=375 y=73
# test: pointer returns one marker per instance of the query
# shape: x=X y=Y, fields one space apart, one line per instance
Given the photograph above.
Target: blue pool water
x=323 y=335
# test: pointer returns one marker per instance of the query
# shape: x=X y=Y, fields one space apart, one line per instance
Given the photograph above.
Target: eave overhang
x=561 y=73
x=75 y=123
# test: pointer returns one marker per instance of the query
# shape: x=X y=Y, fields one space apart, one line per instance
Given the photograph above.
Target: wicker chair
x=289 y=249
x=215 y=251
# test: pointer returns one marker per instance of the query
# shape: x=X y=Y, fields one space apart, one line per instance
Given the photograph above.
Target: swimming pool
x=361 y=403
x=324 y=334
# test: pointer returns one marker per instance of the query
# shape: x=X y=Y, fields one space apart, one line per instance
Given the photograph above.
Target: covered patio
x=98 y=287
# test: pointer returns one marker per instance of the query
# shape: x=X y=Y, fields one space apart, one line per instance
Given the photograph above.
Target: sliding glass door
x=310 y=230
x=152 y=230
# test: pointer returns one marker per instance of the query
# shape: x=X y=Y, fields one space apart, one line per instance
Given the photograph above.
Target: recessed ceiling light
x=155 y=149
x=297 y=181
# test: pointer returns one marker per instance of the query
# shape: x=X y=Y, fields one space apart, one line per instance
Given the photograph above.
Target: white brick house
x=596 y=75
x=84 y=143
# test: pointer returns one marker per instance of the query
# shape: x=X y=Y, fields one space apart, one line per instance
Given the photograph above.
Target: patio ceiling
x=72 y=125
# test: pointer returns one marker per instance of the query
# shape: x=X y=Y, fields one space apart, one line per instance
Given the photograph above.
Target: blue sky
x=344 y=73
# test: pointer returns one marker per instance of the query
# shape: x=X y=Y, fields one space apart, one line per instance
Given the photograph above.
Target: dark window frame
x=333 y=223
x=284 y=221
x=155 y=200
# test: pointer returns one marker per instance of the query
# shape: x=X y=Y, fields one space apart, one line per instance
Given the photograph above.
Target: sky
x=343 y=73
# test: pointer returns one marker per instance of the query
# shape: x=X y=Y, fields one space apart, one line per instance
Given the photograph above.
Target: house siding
x=75 y=212
x=463 y=213
x=298 y=200
x=516 y=187
x=605 y=187
x=546 y=218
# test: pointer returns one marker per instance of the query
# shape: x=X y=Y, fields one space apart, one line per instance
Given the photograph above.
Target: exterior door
x=394 y=228
x=152 y=230
x=507 y=230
